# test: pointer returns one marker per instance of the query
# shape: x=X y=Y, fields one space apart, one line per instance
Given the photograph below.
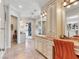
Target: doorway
x=28 y=30
x=13 y=30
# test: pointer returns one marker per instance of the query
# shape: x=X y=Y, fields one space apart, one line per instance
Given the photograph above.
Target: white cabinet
x=49 y=50
x=44 y=46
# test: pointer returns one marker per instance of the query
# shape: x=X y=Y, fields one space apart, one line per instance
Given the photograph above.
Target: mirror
x=38 y=28
x=41 y=25
x=72 y=19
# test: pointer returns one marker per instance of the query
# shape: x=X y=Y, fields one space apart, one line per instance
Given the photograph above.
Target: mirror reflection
x=72 y=20
x=41 y=24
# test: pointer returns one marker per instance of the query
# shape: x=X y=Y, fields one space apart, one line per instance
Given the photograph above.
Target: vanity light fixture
x=65 y=3
x=69 y=2
x=45 y=13
x=68 y=6
x=75 y=3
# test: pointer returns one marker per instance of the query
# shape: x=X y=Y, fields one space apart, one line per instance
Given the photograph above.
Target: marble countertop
x=47 y=37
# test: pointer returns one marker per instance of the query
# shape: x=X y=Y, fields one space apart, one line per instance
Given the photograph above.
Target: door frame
x=9 y=31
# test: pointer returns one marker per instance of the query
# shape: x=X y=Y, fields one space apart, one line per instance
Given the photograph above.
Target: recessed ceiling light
x=0 y=1
x=68 y=6
x=20 y=6
x=75 y=3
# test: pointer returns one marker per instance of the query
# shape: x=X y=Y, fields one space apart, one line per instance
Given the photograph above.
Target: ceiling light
x=0 y=1
x=65 y=3
x=20 y=6
x=75 y=3
x=68 y=6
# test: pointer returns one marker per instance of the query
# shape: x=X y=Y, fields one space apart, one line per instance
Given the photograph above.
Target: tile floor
x=23 y=51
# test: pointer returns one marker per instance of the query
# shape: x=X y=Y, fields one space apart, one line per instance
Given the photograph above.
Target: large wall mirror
x=72 y=19
x=41 y=25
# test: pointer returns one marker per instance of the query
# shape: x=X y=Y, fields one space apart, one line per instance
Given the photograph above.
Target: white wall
x=2 y=28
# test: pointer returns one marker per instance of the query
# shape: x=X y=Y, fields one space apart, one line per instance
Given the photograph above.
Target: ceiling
x=29 y=7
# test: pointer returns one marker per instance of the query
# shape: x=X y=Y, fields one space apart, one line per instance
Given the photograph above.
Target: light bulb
x=45 y=13
x=65 y=3
x=75 y=3
x=68 y=6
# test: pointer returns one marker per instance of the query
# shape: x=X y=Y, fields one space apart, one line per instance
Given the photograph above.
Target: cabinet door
x=36 y=43
x=44 y=47
x=40 y=45
x=49 y=50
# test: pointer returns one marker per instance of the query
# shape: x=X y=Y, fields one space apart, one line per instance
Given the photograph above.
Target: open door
x=13 y=30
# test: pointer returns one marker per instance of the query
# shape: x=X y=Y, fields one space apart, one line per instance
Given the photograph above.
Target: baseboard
x=41 y=54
